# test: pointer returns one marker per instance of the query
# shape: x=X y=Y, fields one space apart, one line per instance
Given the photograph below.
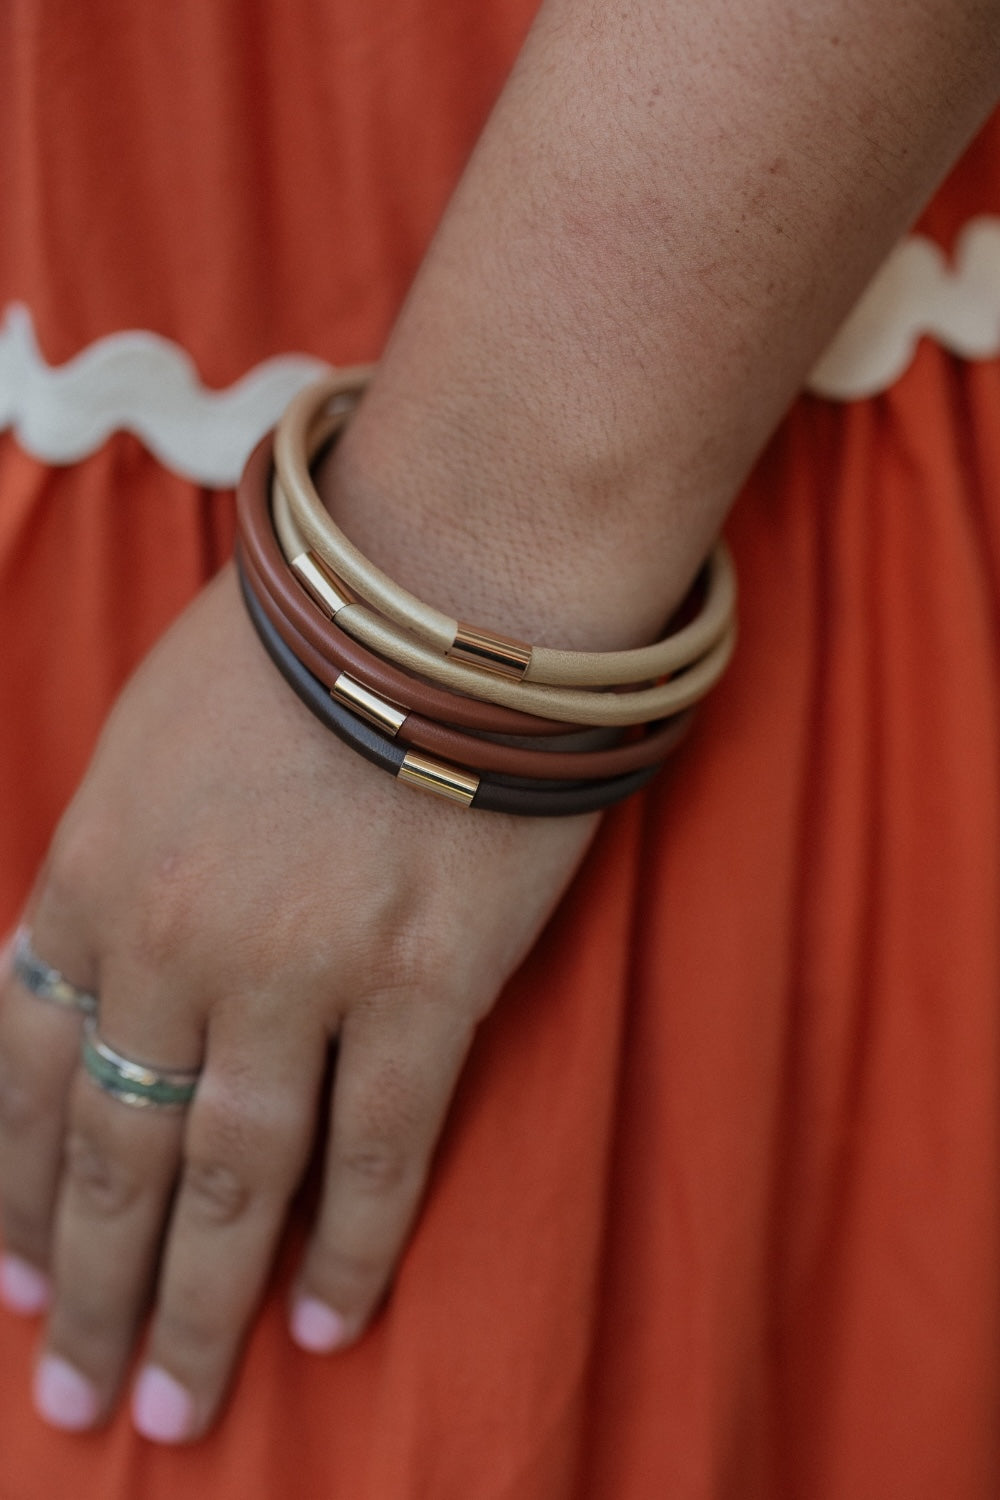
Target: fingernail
x=63 y=1396
x=316 y=1327
x=162 y=1410
x=23 y=1288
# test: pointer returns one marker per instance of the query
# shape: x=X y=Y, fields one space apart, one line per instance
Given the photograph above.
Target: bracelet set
x=439 y=703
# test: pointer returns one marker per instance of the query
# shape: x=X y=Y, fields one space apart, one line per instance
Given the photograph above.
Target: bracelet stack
x=439 y=703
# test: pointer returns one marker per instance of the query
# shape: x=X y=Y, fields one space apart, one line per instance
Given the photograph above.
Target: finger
x=39 y=1046
x=396 y=1070
x=120 y=1167
x=247 y=1142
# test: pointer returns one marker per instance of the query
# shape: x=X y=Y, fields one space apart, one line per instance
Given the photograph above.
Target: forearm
x=669 y=212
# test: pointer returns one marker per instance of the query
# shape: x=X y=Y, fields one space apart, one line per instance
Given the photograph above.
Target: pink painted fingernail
x=317 y=1327
x=63 y=1396
x=23 y=1288
x=162 y=1410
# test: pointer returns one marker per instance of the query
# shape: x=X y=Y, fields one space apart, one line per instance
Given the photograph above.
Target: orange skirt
x=716 y=1210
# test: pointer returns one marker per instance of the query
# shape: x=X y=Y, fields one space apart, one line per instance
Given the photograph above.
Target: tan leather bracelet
x=566 y=705
x=467 y=750
x=341 y=651
x=295 y=446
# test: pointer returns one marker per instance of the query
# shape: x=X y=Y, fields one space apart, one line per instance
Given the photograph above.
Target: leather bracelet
x=567 y=705
x=343 y=653
x=484 y=650
x=488 y=793
x=450 y=744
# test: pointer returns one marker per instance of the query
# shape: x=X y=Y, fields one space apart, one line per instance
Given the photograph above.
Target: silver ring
x=135 y=1083
x=45 y=981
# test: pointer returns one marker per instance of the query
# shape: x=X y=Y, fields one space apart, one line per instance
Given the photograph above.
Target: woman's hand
x=239 y=889
x=611 y=322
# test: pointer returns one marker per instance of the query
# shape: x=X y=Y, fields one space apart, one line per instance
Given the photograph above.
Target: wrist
x=572 y=554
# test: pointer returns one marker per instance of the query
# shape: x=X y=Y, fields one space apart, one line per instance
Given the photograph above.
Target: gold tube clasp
x=368 y=705
x=490 y=653
x=327 y=590
x=434 y=776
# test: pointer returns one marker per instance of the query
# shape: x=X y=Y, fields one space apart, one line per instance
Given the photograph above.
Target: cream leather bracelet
x=565 y=705
x=302 y=430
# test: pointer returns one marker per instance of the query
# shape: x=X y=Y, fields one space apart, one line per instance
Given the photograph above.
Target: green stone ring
x=132 y=1082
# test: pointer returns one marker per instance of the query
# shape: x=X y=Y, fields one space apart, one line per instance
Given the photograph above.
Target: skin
x=257 y=983
x=668 y=214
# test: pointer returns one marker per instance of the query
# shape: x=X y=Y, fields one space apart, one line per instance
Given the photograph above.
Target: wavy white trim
x=915 y=294
x=141 y=383
x=145 y=384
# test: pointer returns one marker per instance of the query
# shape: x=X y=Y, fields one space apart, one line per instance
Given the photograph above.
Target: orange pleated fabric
x=716 y=1212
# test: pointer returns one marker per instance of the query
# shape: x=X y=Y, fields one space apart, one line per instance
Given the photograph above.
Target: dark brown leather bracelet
x=261 y=546
x=486 y=793
x=452 y=744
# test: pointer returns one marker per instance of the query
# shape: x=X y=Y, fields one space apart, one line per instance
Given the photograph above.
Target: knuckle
x=104 y=1183
x=77 y=854
x=20 y=1105
x=25 y=1230
x=193 y=1318
x=166 y=912
x=256 y=1137
x=353 y=1275
x=83 y=1327
x=69 y=869
x=415 y=960
x=374 y=1166
x=389 y=1114
x=214 y=1193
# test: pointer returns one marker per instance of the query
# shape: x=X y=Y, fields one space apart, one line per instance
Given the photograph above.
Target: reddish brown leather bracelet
x=468 y=750
x=261 y=547
x=483 y=792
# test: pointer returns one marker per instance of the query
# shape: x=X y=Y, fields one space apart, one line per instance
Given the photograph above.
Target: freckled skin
x=668 y=214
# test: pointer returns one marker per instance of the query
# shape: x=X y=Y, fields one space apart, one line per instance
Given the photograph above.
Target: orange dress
x=716 y=1212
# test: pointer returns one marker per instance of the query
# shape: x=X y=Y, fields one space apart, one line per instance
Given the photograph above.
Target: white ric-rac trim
x=918 y=293
x=145 y=384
